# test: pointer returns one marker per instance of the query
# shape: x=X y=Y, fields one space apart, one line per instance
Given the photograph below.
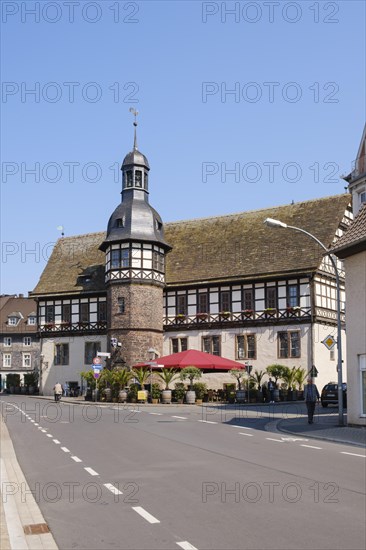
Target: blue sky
x=238 y=111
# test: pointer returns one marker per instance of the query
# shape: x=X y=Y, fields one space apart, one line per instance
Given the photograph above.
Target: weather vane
x=135 y=113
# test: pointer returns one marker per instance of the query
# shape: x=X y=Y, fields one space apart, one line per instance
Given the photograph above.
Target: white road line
x=311 y=446
x=181 y=417
x=56 y=441
x=207 y=421
x=40 y=427
x=352 y=454
x=145 y=514
x=234 y=426
x=44 y=431
x=33 y=421
x=113 y=489
x=245 y=428
x=76 y=459
x=186 y=545
x=36 y=424
x=91 y=471
x=65 y=449
x=157 y=414
x=248 y=435
x=271 y=439
x=49 y=435
x=134 y=411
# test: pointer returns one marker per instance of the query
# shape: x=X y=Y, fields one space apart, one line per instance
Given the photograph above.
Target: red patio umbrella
x=199 y=359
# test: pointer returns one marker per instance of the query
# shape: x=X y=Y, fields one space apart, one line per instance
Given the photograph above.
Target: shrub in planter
x=132 y=393
x=155 y=392
x=200 y=389
x=179 y=392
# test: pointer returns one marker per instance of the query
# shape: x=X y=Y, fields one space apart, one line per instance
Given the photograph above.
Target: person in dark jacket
x=311 y=395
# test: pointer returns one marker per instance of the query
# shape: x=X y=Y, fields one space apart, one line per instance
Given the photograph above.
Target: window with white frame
x=362 y=363
x=211 y=344
x=7 y=341
x=288 y=344
x=179 y=344
x=27 y=360
x=13 y=321
x=27 y=341
x=7 y=360
x=31 y=320
x=246 y=346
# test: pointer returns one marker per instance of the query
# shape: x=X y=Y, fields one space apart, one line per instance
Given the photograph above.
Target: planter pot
x=12 y=389
x=276 y=395
x=23 y=390
x=108 y=394
x=31 y=390
x=122 y=396
x=240 y=396
x=97 y=394
x=166 y=397
x=198 y=401
x=300 y=395
x=155 y=401
x=190 y=397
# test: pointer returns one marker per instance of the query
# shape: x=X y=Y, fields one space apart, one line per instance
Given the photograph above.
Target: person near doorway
x=57 y=391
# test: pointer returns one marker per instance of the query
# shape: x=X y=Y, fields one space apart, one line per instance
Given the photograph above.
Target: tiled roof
x=13 y=307
x=354 y=240
x=221 y=248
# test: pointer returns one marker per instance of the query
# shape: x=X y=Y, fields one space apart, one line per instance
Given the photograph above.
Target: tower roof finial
x=135 y=113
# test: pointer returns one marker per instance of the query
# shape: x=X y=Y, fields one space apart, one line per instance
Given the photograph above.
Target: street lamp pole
x=278 y=224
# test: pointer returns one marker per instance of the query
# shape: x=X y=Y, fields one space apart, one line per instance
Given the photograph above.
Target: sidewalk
x=325 y=427
x=22 y=524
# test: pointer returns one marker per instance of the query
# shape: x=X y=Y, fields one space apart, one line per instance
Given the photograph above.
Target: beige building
x=351 y=248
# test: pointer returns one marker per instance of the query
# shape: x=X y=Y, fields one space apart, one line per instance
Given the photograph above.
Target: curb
x=310 y=435
x=24 y=526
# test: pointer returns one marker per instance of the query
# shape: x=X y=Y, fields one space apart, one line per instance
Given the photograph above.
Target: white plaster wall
x=355 y=267
x=266 y=348
x=66 y=373
x=327 y=368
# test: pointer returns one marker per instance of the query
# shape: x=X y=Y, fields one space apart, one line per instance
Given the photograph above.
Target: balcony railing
x=248 y=315
x=65 y=327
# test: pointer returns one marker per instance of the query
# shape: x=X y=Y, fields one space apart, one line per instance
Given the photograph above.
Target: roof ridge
x=258 y=209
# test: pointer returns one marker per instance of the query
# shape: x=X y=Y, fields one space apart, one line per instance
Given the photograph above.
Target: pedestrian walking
x=311 y=395
x=271 y=389
x=57 y=391
x=66 y=389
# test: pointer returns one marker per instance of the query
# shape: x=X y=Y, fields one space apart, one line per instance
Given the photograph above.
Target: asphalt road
x=183 y=477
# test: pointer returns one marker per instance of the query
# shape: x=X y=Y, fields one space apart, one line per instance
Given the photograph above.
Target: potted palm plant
x=121 y=377
x=191 y=373
x=288 y=376
x=275 y=371
x=300 y=377
x=239 y=374
x=167 y=375
x=142 y=376
x=257 y=379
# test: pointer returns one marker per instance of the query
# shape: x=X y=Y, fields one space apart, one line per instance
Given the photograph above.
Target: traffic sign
x=329 y=342
x=97 y=361
x=96 y=374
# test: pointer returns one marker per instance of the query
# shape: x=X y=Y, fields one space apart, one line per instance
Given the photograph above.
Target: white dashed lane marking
x=77 y=459
x=185 y=545
x=49 y=435
x=157 y=414
x=65 y=449
x=91 y=471
x=112 y=489
x=56 y=441
x=352 y=454
x=272 y=439
x=145 y=514
x=311 y=446
x=248 y=435
x=180 y=417
x=207 y=421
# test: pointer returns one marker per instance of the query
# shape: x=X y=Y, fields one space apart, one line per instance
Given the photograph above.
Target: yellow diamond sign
x=329 y=342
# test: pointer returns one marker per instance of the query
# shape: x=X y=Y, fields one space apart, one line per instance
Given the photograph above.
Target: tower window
x=119 y=222
x=121 y=305
x=138 y=178
x=146 y=180
x=129 y=178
